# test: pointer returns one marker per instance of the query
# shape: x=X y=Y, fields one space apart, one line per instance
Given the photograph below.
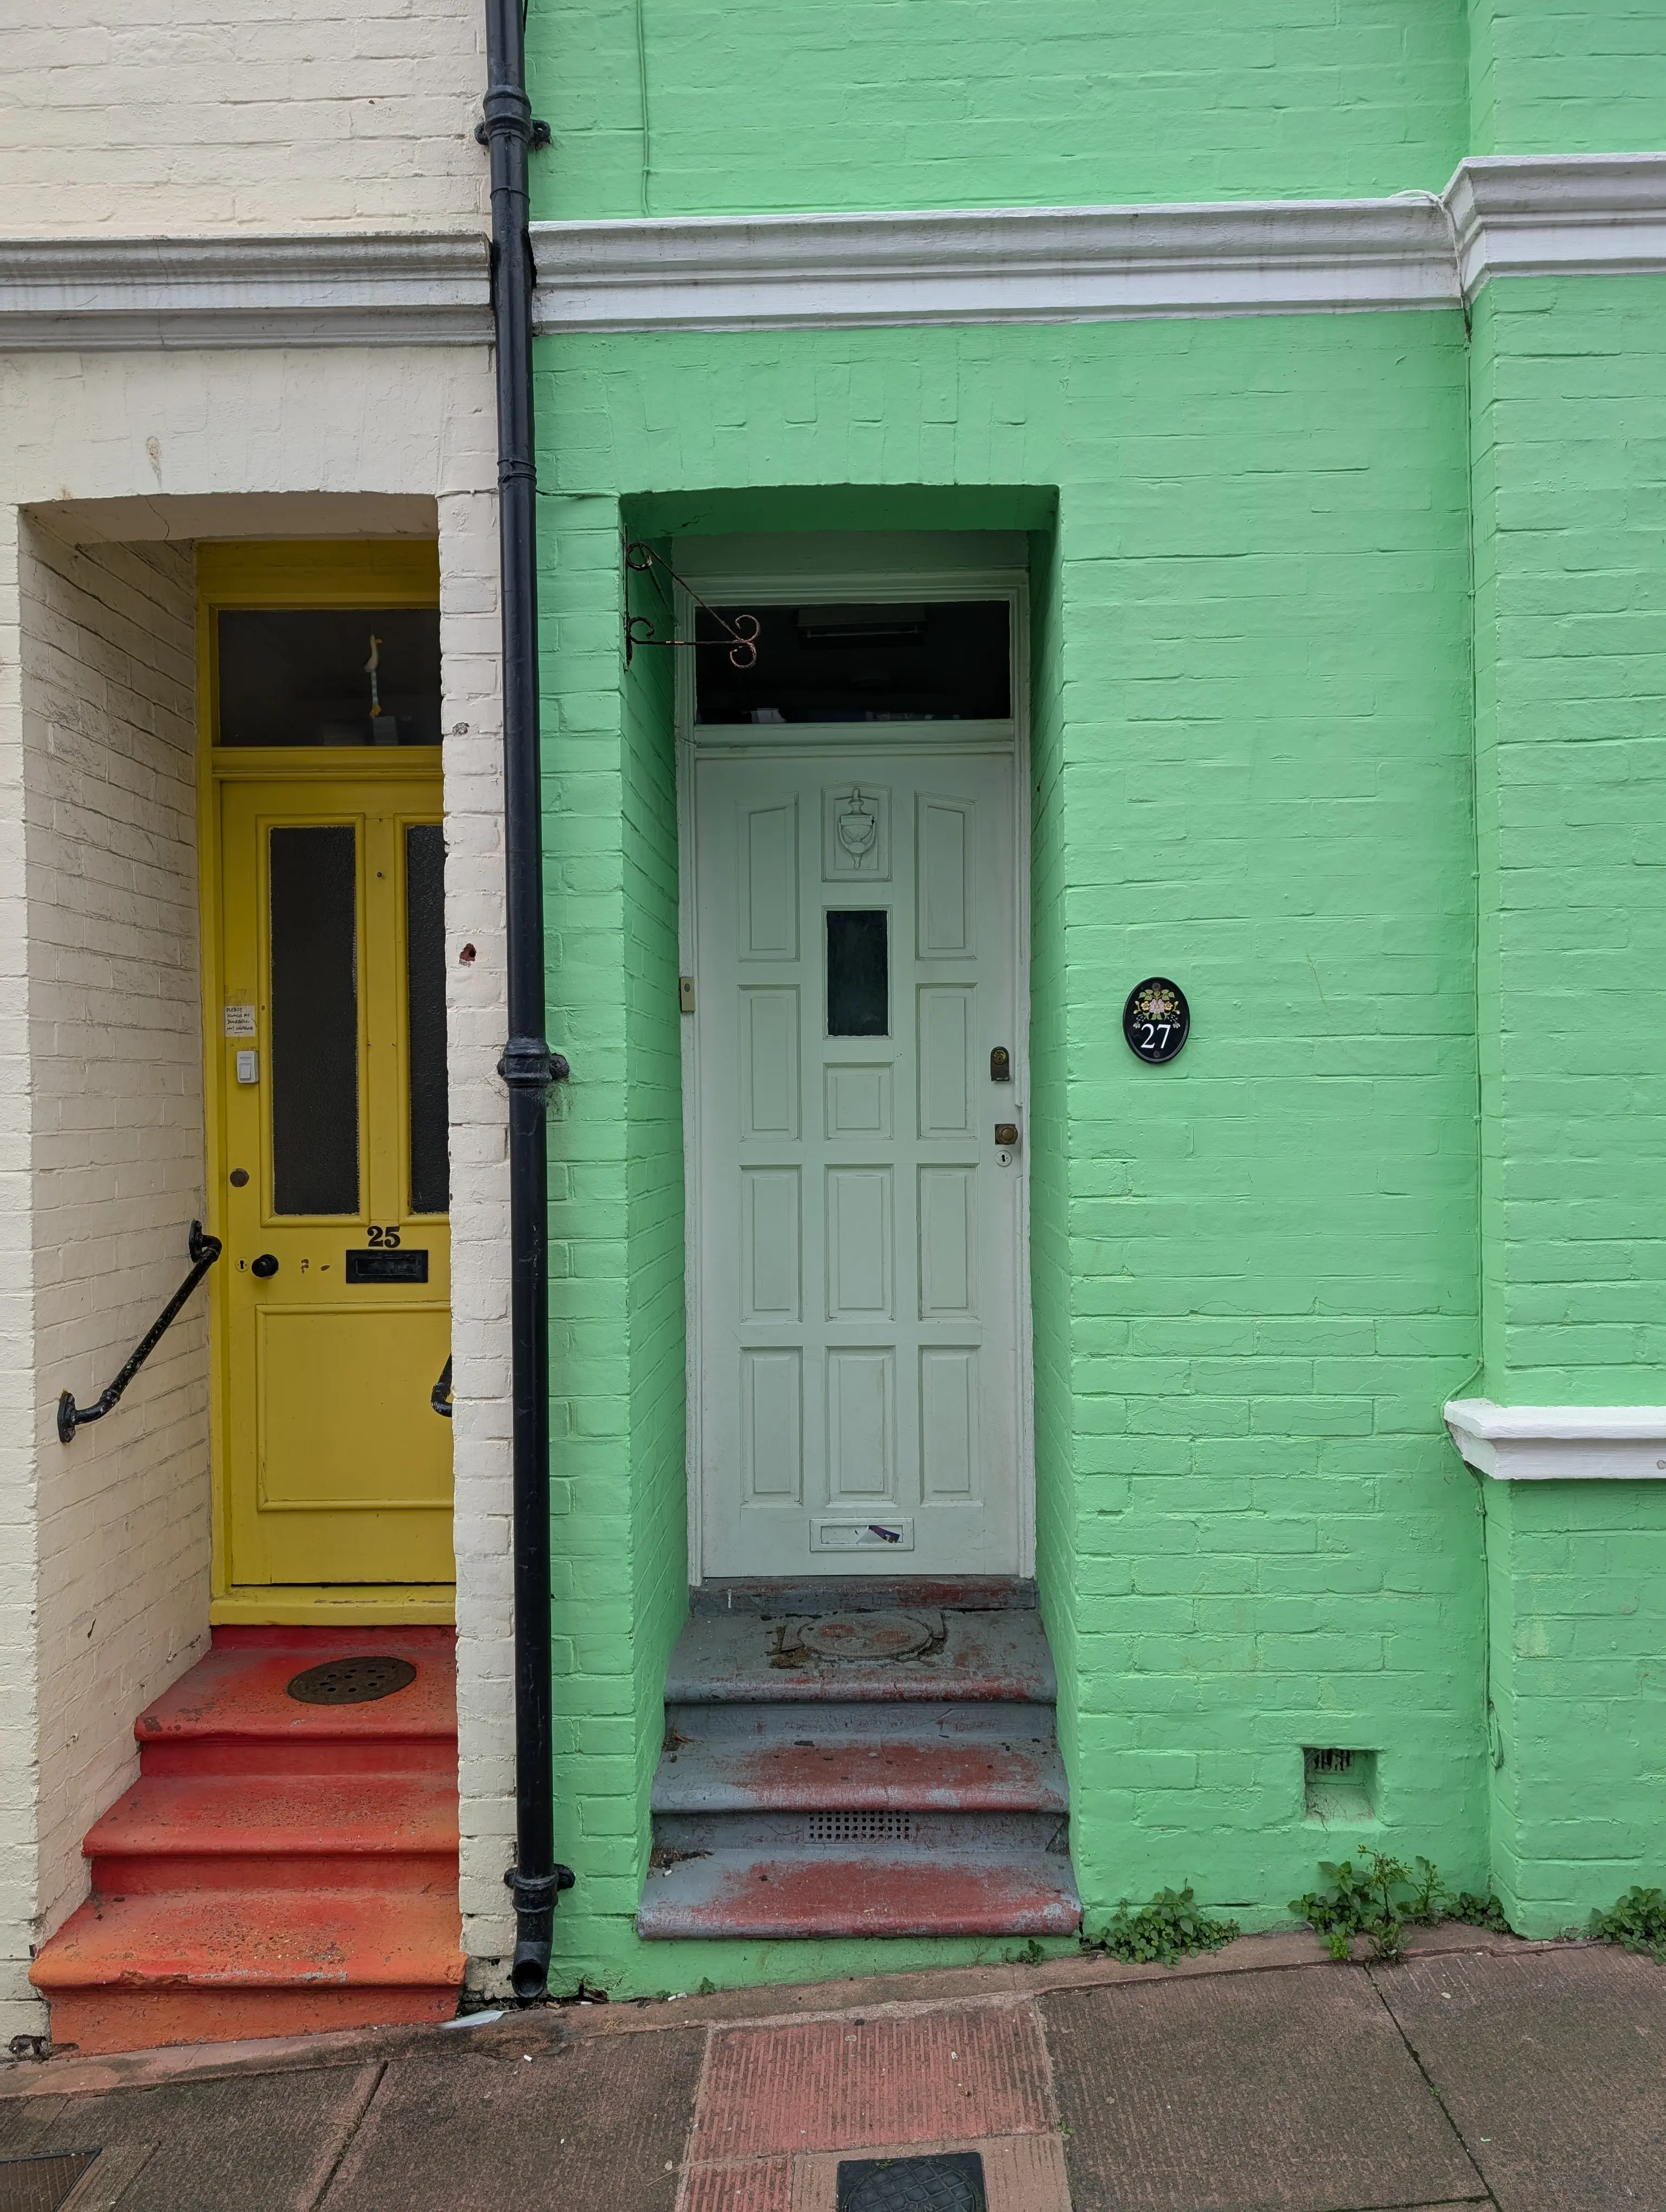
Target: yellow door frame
x=289 y=573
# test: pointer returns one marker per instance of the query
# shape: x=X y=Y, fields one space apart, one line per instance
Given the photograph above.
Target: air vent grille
x=861 y=1827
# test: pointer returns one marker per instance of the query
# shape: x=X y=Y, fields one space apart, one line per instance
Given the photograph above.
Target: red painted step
x=277 y=1868
x=799 y=1894
x=856 y=1773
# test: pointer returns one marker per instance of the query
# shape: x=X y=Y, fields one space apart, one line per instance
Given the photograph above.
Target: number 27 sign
x=1156 y=1019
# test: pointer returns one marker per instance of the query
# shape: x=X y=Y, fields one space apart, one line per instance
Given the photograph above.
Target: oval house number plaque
x=1156 y=1019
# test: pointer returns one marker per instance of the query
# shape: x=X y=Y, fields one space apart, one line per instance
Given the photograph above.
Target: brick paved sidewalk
x=1530 y=2078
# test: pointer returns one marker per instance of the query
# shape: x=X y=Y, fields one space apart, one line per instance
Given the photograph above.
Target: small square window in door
x=859 y=972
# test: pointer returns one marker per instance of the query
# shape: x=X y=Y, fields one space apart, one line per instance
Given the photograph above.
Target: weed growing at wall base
x=1637 y=1922
x=1383 y=1898
x=1164 y=1930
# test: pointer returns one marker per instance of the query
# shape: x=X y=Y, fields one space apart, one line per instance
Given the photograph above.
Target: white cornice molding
x=143 y=293
x=1588 y=214
x=1597 y=214
x=1574 y=214
x=1002 y=265
x=1561 y=1443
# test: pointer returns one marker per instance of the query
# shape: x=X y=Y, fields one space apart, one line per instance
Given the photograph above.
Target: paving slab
x=257 y=2142
x=1552 y=2065
x=590 y=2127
x=1290 y=2091
x=829 y=2085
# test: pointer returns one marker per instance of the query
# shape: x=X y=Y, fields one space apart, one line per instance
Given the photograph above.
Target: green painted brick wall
x=685 y=107
x=654 y=1170
x=1569 y=444
x=1569 y=460
x=1051 y=1168
x=1550 y=79
x=1577 y=1575
x=620 y=1585
x=1256 y=1271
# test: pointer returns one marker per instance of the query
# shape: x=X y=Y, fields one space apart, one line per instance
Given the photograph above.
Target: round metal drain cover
x=951 y=2184
x=864 y=1635
x=352 y=1682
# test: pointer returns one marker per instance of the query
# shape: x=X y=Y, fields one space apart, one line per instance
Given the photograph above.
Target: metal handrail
x=204 y=1251
x=439 y=1397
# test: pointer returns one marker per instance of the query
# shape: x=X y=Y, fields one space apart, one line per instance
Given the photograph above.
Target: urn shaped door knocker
x=859 y=825
x=856 y=833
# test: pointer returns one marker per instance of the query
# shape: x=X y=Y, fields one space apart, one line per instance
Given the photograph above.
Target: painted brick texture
x=20 y=1763
x=1057 y=1521
x=1571 y=503
x=115 y=1082
x=1577 y=1584
x=616 y=1310
x=168 y=116
x=1256 y=1271
x=688 y=107
x=1557 y=79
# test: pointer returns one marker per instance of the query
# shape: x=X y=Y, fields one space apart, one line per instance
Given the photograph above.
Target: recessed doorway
x=854 y=899
x=325 y=1036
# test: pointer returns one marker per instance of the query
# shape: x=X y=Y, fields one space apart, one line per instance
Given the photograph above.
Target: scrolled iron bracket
x=741 y=631
x=204 y=1251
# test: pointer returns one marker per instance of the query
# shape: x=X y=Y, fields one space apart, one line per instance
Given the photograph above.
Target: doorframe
x=293 y=573
x=794 y=577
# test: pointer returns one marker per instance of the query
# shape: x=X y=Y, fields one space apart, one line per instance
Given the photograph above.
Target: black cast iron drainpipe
x=528 y=1066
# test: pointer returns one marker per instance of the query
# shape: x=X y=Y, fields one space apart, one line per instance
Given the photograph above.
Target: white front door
x=859 y=1354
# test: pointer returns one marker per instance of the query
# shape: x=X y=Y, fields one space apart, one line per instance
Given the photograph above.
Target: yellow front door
x=337 y=1270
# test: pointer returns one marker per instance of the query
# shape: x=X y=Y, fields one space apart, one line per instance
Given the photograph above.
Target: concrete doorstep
x=1478 y=2071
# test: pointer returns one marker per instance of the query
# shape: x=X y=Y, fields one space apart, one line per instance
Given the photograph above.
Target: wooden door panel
x=337 y=1470
x=860 y=1353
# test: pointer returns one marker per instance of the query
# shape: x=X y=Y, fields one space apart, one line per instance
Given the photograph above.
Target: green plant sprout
x=1382 y=1898
x=1164 y=1931
x=1636 y=1922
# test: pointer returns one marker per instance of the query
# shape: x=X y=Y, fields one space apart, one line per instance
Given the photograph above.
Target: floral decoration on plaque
x=1156 y=1019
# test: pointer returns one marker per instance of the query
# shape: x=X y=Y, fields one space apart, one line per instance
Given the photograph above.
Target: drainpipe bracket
x=536 y=1893
x=537 y=129
x=528 y=1063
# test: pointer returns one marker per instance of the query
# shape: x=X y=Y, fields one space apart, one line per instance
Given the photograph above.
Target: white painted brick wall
x=20 y=2013
x=155 y=117
x=115 y=1082
x=476 y=1020
x=158 y=439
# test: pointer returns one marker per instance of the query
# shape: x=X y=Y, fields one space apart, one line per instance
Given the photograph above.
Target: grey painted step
x=789 y=1758
x=858 y=1593
x=901 y=1831
x=825 y=1720
x=789 y=1895
x=983 y=1657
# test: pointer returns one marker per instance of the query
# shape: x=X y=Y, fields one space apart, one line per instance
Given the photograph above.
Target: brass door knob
x=1006 y=1133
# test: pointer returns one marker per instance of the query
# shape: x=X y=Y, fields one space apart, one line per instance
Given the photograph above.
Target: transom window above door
x=335 y=676
x=880 y=661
